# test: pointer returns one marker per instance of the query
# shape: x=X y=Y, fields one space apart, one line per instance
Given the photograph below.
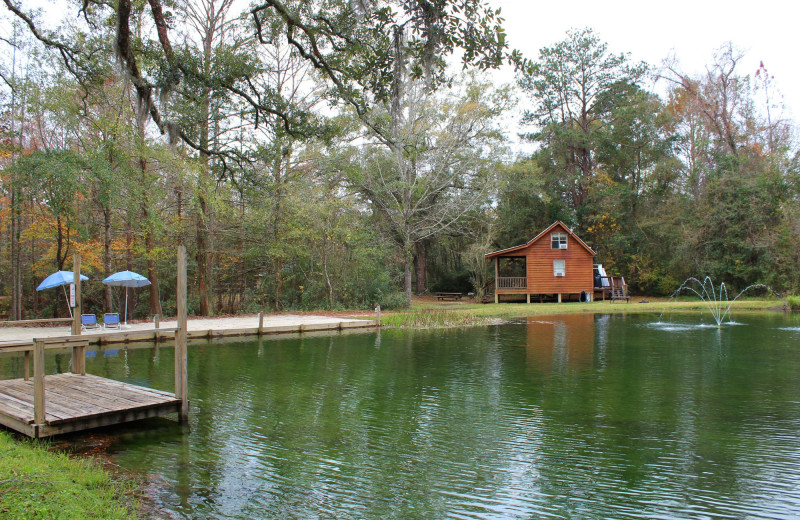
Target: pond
x=570 y=416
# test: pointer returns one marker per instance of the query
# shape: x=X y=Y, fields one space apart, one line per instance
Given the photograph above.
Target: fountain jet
x=717 y=302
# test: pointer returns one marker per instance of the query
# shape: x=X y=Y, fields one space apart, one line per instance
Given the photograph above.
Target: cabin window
x=558 y=241
x=559 y=269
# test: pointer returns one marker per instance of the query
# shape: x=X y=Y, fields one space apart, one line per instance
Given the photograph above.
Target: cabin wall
x=577 y=267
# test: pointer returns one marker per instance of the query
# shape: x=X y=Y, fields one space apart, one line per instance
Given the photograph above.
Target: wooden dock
x=59 y=403
x=78 y=402
x=46 y=405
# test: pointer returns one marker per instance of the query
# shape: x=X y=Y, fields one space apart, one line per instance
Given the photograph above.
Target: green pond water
x=571 y=416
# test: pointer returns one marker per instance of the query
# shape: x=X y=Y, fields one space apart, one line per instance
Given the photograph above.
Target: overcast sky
x=765 y=30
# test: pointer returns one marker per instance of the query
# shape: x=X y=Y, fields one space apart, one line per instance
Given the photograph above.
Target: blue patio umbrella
x=60 y=278
x=126 y=279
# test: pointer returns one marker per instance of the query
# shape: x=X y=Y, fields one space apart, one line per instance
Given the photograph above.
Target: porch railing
x=520 y=282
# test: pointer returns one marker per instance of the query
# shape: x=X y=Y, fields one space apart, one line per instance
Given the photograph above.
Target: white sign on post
x=72 y=295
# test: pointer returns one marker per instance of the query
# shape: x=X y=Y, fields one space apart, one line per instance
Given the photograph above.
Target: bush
x=392 y=300
x=793 y=301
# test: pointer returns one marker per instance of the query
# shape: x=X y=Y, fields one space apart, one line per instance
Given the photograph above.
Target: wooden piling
x=377 y=315
x=181 y=374
x=76 y=311
x=38 y=381
x=260 y=323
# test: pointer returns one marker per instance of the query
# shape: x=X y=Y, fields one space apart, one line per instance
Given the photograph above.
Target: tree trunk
x=152 y=275
x=407 y=267
x=202 y=261
x=60 y=254
x=108 y=302
x=15 y=253
x=152 y=272
x=421 y=264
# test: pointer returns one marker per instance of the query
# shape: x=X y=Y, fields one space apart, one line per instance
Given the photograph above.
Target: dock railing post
x=38 y=382
x=378 y=315
x=181 y=376
x=260 y=323
x=79 y=357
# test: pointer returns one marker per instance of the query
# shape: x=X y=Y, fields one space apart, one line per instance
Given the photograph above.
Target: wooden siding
x=578 y=262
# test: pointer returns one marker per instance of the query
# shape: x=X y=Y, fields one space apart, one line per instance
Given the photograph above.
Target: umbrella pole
x=126 y=306
x=67 y=299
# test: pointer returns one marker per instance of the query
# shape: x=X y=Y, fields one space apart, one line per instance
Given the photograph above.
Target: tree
x=439 y=168
x=576 y=87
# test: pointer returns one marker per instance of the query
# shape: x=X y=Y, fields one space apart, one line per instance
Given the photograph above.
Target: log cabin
x=554 y=263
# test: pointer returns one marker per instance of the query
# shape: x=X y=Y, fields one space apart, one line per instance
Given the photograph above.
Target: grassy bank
x=37 y=483
x=427 y=314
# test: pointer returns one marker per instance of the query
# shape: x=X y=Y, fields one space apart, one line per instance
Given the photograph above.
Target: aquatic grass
x=793 y=301
x=427 y=314
x=38 y=483
x=433 y=318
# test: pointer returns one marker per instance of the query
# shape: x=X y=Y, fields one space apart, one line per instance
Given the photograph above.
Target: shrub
x=793 y=301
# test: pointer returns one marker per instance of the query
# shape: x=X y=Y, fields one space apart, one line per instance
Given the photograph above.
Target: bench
x=449 y=296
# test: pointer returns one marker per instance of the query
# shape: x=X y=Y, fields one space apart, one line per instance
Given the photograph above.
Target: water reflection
x=574 y=416
x=558 y=342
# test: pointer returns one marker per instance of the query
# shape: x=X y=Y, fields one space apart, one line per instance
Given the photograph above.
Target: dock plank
x=23 y=394
x=75 y=402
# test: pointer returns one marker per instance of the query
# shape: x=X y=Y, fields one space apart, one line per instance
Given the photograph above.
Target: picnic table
x=449 y=295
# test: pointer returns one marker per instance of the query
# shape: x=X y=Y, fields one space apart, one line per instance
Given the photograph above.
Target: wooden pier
x=59 y=403
x=48 y=405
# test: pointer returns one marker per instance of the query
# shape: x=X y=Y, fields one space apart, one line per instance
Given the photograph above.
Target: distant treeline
x=309 y=162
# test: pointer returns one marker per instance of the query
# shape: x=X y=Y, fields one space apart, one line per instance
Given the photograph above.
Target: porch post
x=496 y=275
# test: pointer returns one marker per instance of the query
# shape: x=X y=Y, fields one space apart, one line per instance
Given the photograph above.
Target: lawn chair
x=111 y=320
x=89 y=322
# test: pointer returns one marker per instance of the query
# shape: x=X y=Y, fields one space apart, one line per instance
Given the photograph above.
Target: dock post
x=378 y=314
x=76 y=311
x=260 y=322
x=38 y=382
x=79 y=358
x=181 y=376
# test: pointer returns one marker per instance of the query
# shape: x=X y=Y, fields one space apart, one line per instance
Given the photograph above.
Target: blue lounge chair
x=111 y=320
x=88 y=321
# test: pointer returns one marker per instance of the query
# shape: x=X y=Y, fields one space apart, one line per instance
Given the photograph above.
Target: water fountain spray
x=716 y=301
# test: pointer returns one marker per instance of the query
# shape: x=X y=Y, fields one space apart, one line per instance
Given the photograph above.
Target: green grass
x=434 y=314
x=434 y=318
x=36 y=483
x=793 y=301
